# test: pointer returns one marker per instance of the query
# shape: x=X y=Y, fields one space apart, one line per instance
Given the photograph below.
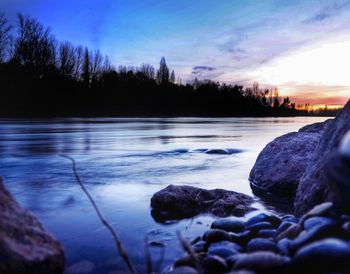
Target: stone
x=267 y=233
x=200 y=246
x=216 y=235
x=261 y=244
x=318 y=210
x=283 y=246
x=315 y=233
x=229 y=225
x=326 y=255
x=263 y=217
x=214 y=264
x=227 y=244
x=315 y=221
x=258 y=226
x=281 y=164
x=262 y=261
x=221 y=251
x=317 y=184
x=183 y=270
x=25 y=246
x=176 y=202
x=290 y=233
x=284 y=226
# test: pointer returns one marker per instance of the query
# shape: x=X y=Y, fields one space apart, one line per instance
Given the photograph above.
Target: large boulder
x=281 y=164
x=316 y=186
x=25 y=246
x=176 y=202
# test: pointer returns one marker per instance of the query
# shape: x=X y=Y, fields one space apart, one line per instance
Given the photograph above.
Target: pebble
x=229 y=225
x=227 y=244
x=258 y=226
x=267 y=233
x=261 y=244
x=215 y=264
x=315 y=221
x=222 y=251
x=329 y=254
x=263 y=217
x=319 y=210
x=262 y=260
x=216 y=235
x=183 y=270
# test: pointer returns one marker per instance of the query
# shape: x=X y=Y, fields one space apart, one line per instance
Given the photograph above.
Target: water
x=123 y=162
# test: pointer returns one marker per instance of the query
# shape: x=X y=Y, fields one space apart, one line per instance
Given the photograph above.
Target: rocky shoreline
x=317 y=242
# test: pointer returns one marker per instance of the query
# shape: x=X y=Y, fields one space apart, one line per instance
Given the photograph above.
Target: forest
x=41 y=76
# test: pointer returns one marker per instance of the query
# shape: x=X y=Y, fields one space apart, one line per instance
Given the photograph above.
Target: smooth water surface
x=123 y=162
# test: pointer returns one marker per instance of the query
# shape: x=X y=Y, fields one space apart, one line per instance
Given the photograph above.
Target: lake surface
x=123 y=162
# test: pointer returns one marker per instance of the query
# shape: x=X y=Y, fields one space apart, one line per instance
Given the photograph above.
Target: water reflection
x=123 y=162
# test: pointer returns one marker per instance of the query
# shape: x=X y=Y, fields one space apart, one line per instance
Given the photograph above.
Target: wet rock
x=81 y=267
x=200 y=246
x=216 y=235
x=284 y=226
x=241 y=238
x=222 y=251
x=176 y=202
x=266 y=233
x=259 y=226
x=227 y=151
x=318 y=184
x=326 y=255
x=315 y=233
x=214 y=264
x=227 y=244
x=281 y=164
x=188 y=261
x=316 y=221
x=290 y=233
x=25 y=246
x=183 y=270
x=261 y=244
x=229 y=225
x=290 y=218
x=318 y=210
x=262 y=261
x=263 y=217
x=283 y=246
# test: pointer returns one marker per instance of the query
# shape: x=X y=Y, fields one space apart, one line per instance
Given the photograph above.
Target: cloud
x=327 y=12
x=202 y=68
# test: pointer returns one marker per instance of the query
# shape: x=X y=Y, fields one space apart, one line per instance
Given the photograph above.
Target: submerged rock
x=230 y=225
x=176 y=202
x=281 y=164
x=25 y=246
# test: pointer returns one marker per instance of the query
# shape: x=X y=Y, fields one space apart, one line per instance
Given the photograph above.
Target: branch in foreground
x=120 y=248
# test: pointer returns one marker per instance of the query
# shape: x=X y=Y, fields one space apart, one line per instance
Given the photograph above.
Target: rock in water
x=315 y=185
x=25 y=246
x=176 y=202
x=281 y=164
x=326 y=255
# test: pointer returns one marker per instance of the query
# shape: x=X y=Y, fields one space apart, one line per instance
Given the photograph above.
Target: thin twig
x=187 y=247
x=119 y=245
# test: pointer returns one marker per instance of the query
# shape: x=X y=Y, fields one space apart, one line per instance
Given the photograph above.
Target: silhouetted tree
x=163 y=72
x=147 y=70
x=86 y=68
x=79 y=54
x=5 y=37
x=66 y=59
x=172 y=77
x=96 y=66
x=34 y=46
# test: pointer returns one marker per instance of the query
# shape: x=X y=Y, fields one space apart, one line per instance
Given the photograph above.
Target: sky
x=301 y=46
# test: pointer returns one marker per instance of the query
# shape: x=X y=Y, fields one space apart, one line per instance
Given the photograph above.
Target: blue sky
x=300 y=46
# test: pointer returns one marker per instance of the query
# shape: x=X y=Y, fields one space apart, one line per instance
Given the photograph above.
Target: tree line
x=40 y=75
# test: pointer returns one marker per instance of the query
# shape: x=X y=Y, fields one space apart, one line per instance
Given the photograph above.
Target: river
x=123 y=161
